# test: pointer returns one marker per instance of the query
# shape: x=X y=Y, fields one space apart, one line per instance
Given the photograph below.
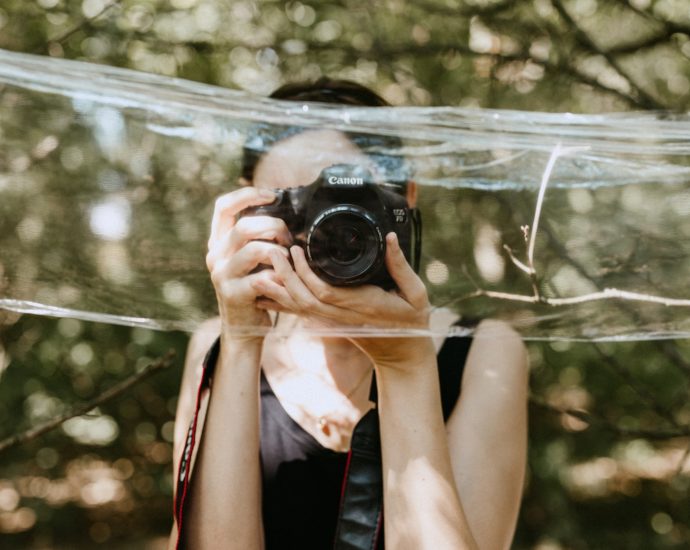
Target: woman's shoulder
x=440 y=320
x=202 y=338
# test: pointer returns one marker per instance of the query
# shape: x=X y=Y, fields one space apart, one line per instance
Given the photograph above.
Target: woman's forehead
x=299 y=159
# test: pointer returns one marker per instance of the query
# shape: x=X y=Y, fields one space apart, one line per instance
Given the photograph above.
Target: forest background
x=609 y=422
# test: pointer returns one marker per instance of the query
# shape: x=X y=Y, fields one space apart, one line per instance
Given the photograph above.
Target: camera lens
x=344 y=245
x=347 y=244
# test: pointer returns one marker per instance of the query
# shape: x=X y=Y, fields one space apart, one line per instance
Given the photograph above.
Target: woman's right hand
x=235 y=248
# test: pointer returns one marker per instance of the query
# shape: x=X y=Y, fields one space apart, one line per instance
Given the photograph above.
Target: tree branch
x=583 y=38
x=464 y=11
x=109 y=394
x=386 y=52
x=670 y=26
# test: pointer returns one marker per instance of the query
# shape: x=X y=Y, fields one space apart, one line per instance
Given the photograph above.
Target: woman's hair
x=327 y=90
x=339 y=92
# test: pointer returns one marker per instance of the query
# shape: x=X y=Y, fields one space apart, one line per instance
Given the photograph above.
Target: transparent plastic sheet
x=567 y=226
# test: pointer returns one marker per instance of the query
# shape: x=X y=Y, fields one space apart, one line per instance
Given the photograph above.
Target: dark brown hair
x=333 y=91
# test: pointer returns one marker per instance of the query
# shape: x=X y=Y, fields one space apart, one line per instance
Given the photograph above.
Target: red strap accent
x=345 y=474
x=184 y=472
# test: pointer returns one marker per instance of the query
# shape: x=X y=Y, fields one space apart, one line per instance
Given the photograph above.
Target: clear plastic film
x=565 y=226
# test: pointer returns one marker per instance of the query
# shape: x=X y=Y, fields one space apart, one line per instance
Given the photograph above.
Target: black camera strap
x=417 y=228
x=361 y=504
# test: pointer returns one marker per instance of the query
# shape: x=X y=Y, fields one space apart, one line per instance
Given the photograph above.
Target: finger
x=360 y=306
x=241 y=264
x=410 y=286
x=229 y=205
x=250 y=228
x=304 y=299
x=240 y=290
x=263 y=275
x=366 y=300
x=274 y=292
x=252 y=255
x=321 y=289
x=243 y=233
x=265 y=303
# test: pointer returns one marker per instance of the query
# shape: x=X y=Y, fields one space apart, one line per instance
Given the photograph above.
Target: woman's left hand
x=302 y=292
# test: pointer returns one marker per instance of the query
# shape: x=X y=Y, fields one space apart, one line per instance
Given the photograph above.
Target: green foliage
x=579 y=56
x=109 y=472
x=614 y=482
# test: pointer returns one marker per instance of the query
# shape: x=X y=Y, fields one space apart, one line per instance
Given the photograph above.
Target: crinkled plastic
x=567 y=226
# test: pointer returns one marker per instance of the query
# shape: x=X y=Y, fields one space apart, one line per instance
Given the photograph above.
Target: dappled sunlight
x=100 y=430
x=88 y=483
x=17 y=521
x=488 y=254
x=571 y=397
x=623 y=473
x=107 y=185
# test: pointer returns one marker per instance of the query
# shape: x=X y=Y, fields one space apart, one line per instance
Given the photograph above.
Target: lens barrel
x=345 y=245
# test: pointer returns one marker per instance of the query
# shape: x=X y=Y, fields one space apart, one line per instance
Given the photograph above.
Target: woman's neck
x=334 y=359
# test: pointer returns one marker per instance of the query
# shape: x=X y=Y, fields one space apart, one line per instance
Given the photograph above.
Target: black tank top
x=302 y=480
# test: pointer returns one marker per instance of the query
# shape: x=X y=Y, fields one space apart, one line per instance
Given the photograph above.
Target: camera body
x=341 y=220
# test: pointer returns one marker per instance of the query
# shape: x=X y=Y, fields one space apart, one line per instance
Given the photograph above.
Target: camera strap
x=417 y=229
x=361 y=502
x=183 y=474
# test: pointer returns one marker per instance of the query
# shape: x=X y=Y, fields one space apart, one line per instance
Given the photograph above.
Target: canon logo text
x=334 y=180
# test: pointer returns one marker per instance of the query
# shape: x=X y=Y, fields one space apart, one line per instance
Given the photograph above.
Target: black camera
x=341 y=220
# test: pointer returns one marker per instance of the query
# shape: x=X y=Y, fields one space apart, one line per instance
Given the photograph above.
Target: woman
x=268 y=469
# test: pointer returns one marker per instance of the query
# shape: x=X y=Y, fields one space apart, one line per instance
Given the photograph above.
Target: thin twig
x=517 y=262
x=670 y=352
x=537 y=298
x=605 y=294
x=540 y=201
x=546 y=176
x=107 y=395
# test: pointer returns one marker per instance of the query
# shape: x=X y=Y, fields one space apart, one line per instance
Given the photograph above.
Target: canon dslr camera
x=341 y=220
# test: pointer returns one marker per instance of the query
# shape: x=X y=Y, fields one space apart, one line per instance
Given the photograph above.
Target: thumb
x=411 y=287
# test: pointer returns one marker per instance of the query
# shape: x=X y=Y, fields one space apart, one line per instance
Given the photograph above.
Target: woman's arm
x=487 y=433
x=421 y=504
x=486 y=441
x=223 y=504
